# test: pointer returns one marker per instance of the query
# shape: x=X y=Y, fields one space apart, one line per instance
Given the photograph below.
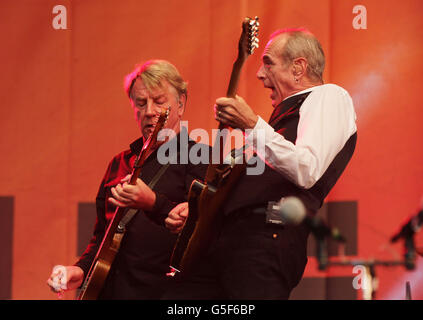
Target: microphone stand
x=410 y=252
x=372 y=281
x=321 y=251
x=370 y=264
x=407 y=232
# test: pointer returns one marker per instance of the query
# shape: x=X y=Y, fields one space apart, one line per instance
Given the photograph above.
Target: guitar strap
x=131 y=212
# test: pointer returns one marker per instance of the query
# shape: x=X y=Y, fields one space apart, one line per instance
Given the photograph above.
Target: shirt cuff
x=160 y=210
x=260 y=135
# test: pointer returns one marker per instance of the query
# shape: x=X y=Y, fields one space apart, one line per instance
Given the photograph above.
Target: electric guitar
x=94 y=281
x=205 y=199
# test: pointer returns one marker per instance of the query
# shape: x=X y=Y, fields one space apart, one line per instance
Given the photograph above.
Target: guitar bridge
x=173 y=271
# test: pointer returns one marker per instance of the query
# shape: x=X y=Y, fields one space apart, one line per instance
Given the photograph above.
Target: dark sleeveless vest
x=257 y=190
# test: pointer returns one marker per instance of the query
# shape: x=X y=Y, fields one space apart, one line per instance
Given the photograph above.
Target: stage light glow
x=397 y=292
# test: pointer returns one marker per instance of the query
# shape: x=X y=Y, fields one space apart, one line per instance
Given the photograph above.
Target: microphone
x=292 y=211
x=412 y=226
x=407 y=232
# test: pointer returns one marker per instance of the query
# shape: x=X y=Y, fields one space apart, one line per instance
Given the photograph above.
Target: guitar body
x=185 y=236
x=97 y=280
x=204 y=219
x=100 y=268
x=207 y=217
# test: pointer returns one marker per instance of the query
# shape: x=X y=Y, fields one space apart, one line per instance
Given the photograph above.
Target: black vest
x=257 y=190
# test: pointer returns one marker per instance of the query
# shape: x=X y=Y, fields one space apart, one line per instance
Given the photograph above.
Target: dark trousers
x=249 y=260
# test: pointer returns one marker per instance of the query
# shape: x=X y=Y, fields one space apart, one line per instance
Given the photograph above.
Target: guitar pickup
x=199 y=186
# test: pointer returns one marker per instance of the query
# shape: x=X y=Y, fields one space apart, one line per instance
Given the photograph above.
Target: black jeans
x=249 y=260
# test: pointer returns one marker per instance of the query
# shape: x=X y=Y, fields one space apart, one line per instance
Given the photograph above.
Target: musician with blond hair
x=139 y=269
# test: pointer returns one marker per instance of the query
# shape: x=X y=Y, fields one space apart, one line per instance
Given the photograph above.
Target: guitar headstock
x=164 y=114
x=161 y=121
x=149 y=144
x=249 y=38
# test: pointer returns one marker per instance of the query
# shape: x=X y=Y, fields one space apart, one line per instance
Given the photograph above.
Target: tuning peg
x=253 y=46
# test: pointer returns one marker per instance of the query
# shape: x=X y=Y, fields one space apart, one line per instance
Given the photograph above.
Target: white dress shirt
x=327 y=121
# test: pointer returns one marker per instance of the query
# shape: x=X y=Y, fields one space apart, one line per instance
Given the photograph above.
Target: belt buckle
x=272 y=213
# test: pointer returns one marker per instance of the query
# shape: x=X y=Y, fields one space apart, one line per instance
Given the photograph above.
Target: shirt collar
x=301 y=92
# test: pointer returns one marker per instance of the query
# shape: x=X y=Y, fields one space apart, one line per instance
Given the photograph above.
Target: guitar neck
x=233 y=82
x=247 y=43
x=230 y=93
x=235 y=75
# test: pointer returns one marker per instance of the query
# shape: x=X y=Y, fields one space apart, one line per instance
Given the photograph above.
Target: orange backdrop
x=64 y=113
